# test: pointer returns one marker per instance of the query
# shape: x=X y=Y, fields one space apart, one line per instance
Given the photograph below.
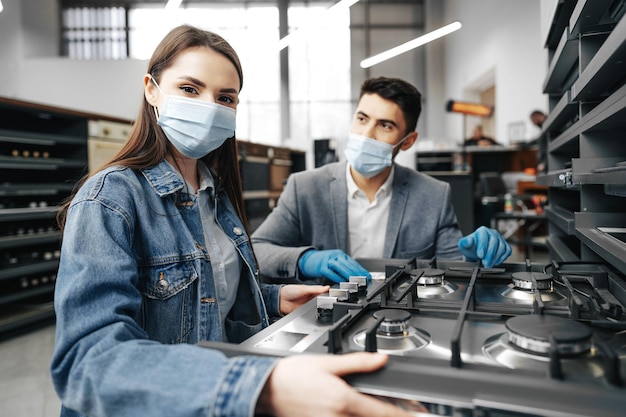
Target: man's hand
x=485 y=244
x=333 y=264
x=293 y=296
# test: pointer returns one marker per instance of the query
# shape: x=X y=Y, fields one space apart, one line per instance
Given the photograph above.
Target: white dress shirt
x=367 y=222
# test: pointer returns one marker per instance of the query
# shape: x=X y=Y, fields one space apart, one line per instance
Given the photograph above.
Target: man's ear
x=149 y=90
x=410 y=140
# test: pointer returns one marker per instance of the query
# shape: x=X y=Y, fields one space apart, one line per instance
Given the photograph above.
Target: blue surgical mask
x=367 y=156
x=196 y=128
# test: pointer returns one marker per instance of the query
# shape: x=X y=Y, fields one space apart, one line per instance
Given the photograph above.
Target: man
x=479 y=139
x=367 y=207
x=537 y=117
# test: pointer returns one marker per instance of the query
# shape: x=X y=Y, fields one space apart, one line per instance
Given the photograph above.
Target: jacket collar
x=163 y=178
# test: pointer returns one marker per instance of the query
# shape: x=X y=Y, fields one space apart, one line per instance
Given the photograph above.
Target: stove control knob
x=325 y=308
x=361 y=282
x=353 y=290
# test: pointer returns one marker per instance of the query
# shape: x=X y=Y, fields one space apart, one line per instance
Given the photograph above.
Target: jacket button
x=237 y=231
x=162 y=285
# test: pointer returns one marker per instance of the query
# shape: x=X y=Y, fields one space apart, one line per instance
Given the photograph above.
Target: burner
x=431 y=283
x=524 y=280
x=395 y=322
x=428 y=276
x=522 y=287
x=534 y=332
x=526 y=345
x=395 y=334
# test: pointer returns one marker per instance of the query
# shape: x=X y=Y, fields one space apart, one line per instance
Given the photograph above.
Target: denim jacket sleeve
x=104 y=363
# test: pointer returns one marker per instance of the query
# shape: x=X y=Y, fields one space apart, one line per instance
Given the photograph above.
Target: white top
x=367 y=222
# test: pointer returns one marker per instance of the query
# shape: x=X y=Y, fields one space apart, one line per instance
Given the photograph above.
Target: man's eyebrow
x=388 y=121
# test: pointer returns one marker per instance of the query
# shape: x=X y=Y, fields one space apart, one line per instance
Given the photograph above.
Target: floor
x=25 y=385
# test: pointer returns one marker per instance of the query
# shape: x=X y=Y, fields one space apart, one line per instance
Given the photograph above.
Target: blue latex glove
x=485 y=244
x=333 y=264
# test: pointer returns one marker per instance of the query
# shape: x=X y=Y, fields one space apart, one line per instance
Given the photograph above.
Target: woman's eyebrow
x=192 y=80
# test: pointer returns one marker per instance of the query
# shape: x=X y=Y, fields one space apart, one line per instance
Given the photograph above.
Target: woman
x=156 y=257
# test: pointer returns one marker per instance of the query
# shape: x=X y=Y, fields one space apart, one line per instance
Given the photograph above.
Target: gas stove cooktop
x=517 y=340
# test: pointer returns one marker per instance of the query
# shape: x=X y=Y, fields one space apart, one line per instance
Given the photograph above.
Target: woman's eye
x=189 y=90
x=226 y=99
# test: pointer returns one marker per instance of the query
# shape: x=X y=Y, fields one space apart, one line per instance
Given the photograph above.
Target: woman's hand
x=311 y=386
x=293 y=296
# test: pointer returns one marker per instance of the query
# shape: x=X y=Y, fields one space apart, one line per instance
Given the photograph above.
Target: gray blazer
x=312 y=212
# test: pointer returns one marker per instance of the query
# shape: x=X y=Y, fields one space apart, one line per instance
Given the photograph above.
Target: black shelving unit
x=584 y=132
x=43 y=152
x=264 y=173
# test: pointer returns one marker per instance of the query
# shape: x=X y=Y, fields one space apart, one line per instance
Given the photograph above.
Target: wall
x=501 y=43
x=376 y=28
x=32 y=71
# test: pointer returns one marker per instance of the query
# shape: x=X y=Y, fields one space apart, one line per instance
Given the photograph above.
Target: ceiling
x=112 y=3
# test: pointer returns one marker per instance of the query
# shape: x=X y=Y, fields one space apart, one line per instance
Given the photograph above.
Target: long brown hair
x=147 y=145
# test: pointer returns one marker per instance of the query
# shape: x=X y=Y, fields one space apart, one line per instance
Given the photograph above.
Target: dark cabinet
x=264 y=173
x=43 y=151
x=584 y=132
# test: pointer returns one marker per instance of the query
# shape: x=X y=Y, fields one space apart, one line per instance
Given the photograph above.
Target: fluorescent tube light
x=1 y=8
x=419 y=41
x=341 y=4
x=172 y=4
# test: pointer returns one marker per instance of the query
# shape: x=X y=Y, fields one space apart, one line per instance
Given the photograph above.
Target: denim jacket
x=135 y=292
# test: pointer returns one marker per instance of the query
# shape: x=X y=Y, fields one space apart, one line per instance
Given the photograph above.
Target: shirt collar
x=206 y=179
x=384 y=189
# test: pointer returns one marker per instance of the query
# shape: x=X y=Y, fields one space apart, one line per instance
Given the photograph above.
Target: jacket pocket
x=168 y=301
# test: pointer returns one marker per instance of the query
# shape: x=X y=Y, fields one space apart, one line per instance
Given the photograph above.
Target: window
x=94 y=32
x=319 y=63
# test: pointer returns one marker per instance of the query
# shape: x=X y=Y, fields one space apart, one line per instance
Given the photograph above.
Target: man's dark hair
x=537 y=113
x=400 y=92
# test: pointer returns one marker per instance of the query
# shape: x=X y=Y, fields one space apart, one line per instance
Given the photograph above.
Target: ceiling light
x=1 y=8
x=172 y=4
x=419 y=41
x=341 y=4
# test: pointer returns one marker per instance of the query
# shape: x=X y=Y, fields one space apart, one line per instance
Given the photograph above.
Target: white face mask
x=196 y=128
x=368 y=156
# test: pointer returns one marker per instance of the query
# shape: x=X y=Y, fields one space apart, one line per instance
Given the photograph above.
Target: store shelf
x=559 y=21
x=605 y=69
x=563 y=115
x=35 y=138
x=584 y=135
x=562 y=66
x=28 y=213
x=29 y=269
x=15 y=189
x=591 y=15
x=29 y=239
x=559 y=251
x=43 y=153
x=561 y=218
x=17 y=317
x=26 y=294
x=609 y=248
